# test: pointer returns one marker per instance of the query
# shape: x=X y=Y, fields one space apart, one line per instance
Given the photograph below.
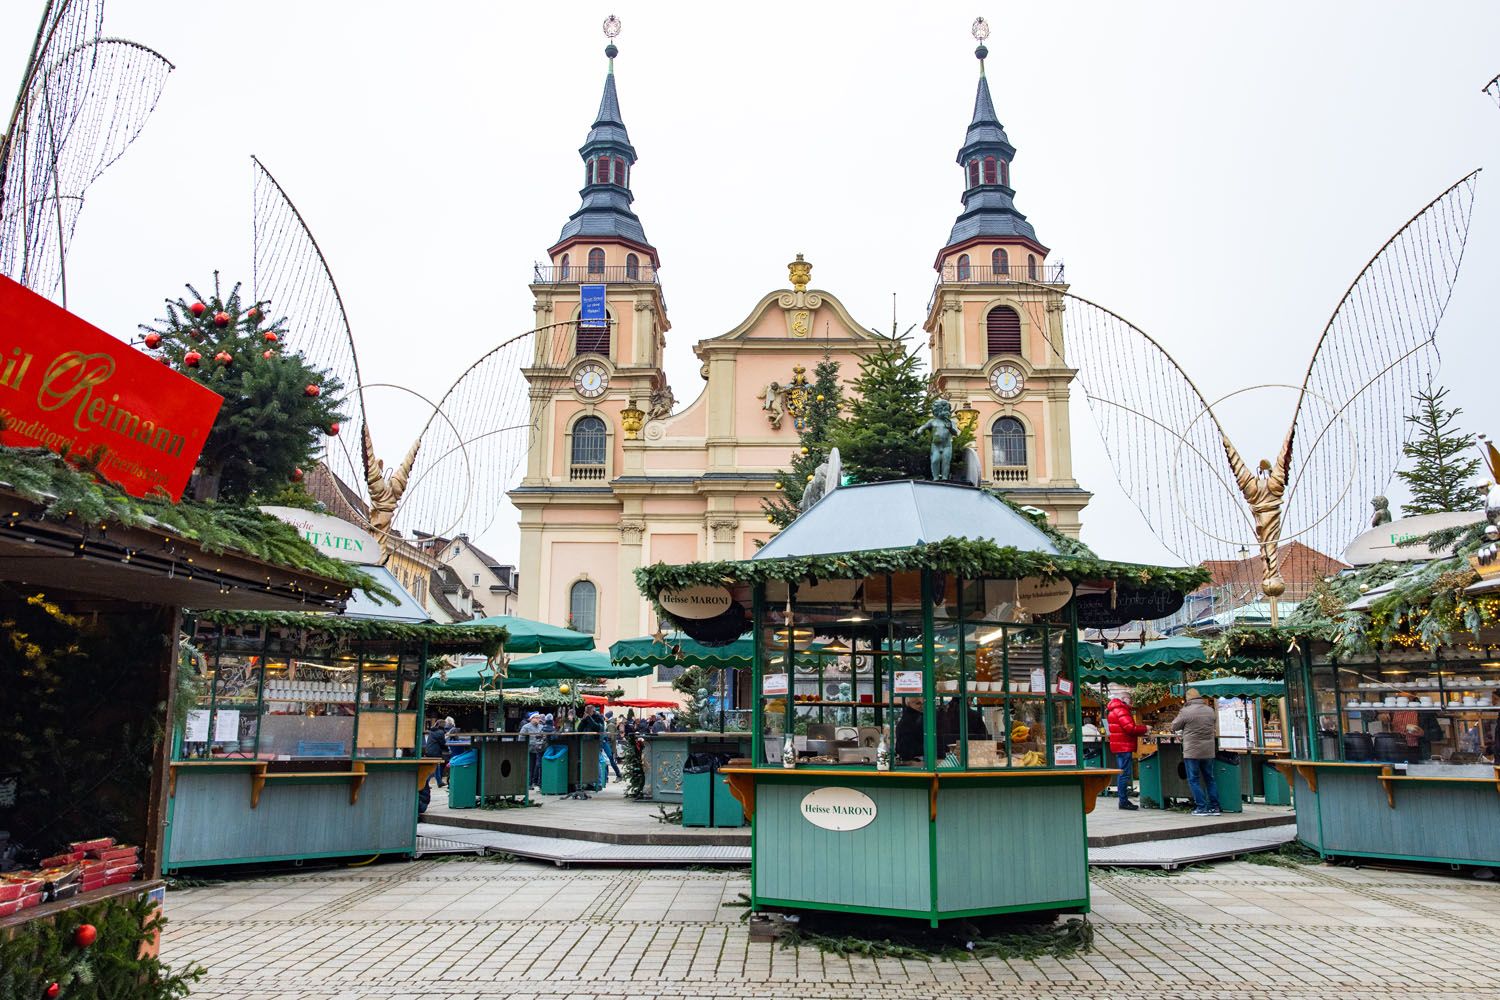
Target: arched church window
x=1031 y=266
x=1008 y=443
x=596 y=261
x=583 y=603
x=563 y=263
x=1005 y=172
x=601 y=170
x=619 y=171
x=593 y=339
x=973 y=173
x=989 y=170
x=1002 y=330
x=589 y=441
x=632 y=267
x=963 y=267
x=1002 y=262
x=995 y=263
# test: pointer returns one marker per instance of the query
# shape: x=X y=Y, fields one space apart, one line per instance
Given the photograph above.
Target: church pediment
x=791 y=317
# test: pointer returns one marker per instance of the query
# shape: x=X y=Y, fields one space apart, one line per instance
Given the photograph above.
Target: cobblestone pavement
x=467 y=930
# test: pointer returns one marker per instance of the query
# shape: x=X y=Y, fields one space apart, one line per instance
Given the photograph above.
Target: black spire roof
x=988 y=208
x=605 y=211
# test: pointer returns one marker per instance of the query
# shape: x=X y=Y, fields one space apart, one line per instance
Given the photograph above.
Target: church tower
x=595 y=379
x=995 y=328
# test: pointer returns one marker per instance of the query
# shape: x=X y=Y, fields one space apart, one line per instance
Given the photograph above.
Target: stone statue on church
x=944 y=433
x=1382 y=513
x=774 y=396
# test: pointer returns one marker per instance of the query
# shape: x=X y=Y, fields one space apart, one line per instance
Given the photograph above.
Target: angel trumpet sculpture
x=385 y=490
x=1164 y=438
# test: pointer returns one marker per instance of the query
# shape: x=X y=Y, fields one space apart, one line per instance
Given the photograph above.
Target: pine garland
x=982 y=937
x=73 y=495
x=42 y=952
x=456 y=638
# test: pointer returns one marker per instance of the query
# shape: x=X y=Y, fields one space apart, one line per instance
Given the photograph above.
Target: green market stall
x=973 y=798
x=305 y=739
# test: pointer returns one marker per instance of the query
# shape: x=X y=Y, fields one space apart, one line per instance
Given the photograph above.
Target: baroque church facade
x=620 y=477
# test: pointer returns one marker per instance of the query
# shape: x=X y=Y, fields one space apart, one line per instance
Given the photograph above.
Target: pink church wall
x=673 y=548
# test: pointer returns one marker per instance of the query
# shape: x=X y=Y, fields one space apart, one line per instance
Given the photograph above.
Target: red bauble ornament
x=269 y=355
x=224 y=358
x=221 y=319
x=333 y=430
x=191 y=359
x=270 y=337
x=197 y=308
x=153 y=340
x=253 y=314
x=85 y=935
x=313 y=390
x=52 y=991
x=296 y=475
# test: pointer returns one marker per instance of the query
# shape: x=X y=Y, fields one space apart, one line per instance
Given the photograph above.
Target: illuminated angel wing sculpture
x=83 y=100
x=454 y=478
x=1169 y=449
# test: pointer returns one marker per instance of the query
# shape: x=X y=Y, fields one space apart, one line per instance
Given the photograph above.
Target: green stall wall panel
x=1457 y=822
x=210 y=818
x=1306 y=803
x=883 y=865
x=1010 y=845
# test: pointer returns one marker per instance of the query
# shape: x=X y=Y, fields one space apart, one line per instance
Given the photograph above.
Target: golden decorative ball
x=809 y=477
x=820 y=397
x=802 y=450
x=563 y=689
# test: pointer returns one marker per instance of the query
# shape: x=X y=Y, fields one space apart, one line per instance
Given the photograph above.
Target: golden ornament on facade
x=800 y=272
x=631 y=419
x=967 y=419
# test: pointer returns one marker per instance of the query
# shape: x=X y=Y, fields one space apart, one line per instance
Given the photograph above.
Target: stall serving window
x=947 y=673
x=1406 y=707
x=268 y=695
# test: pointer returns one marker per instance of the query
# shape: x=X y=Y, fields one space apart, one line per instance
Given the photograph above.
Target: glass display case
x=971 y=682
x=270 y=696
x=1407 y=708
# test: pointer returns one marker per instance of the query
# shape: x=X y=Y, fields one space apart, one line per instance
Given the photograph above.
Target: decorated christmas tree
x=820 y=412
x=278 y=410
x=1445 y=471
x=877 y=439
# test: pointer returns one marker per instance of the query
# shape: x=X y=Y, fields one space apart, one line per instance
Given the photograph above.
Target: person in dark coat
x=436 y=745
x=909 y=733
x=947 y=726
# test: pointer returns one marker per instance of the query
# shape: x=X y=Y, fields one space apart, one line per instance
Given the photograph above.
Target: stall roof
x=362 y=604
x=902 y=514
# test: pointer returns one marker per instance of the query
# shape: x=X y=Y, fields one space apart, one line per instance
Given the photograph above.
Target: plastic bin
x=463 y=780
x=697 y=795
x=1273 y=781
x=555 y=770
x=1227 y=782
x=727 y=808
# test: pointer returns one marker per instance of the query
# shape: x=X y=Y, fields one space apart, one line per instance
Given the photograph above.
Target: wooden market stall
x=305 y=740
x=91 y=586
x=949 y=782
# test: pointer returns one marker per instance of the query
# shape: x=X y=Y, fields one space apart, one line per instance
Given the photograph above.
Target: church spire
x=985 y=158
x=609 y=163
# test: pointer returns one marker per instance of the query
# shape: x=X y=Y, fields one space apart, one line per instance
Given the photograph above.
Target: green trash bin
x=463 y=780
x=555 y=770
x=697 y=795
x=1227 y=782
x=727 y=809
x=1277 y=792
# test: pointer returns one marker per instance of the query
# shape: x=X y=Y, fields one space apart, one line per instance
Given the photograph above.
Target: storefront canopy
x=572 y=665
x=1158 y=660
x=527 y=636
x=649 y=651
x=1235 y=687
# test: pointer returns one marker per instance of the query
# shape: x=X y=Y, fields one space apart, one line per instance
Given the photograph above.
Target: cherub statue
x=775 y=403
x=1382 y=513
x=944 y=432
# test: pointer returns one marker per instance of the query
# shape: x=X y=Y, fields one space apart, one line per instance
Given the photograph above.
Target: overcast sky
x=1216 y=173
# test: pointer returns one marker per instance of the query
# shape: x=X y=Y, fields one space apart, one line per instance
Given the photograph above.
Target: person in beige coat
x=1199 y=725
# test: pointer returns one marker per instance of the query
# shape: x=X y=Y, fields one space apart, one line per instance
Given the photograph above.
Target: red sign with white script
x=69 y=386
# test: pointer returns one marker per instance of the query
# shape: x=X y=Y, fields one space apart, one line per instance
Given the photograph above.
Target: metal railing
x=1009 y=474
x=586 y=473
x=546 y=274
x=1016 y=274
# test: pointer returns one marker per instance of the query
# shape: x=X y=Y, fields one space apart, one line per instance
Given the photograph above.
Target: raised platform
x=609 y=819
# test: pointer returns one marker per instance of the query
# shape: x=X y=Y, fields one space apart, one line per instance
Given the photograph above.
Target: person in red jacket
x=1124 y=734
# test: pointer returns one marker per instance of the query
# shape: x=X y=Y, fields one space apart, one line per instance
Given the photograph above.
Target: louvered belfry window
x=1002 y=330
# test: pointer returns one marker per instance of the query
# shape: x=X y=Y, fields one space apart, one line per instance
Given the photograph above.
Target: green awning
x=1235 y=687
x=527 y=636
x=571 y=665
x=465 y=677
x=647 y=651
x=1158 y=660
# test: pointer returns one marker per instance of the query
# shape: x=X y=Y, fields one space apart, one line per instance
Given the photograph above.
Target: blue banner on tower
x=591 y=311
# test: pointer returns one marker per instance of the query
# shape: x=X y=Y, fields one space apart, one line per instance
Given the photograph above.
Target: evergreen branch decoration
x=70 y=494
x=458 y=638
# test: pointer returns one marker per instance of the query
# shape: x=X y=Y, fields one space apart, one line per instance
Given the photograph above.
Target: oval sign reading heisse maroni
x=841 y=809
x=706 y=601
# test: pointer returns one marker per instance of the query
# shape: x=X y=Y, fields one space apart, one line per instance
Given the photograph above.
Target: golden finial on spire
x=800 y=272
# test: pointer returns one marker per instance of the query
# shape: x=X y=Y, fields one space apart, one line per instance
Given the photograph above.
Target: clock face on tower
x=1007 y=381
x=590 y=380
